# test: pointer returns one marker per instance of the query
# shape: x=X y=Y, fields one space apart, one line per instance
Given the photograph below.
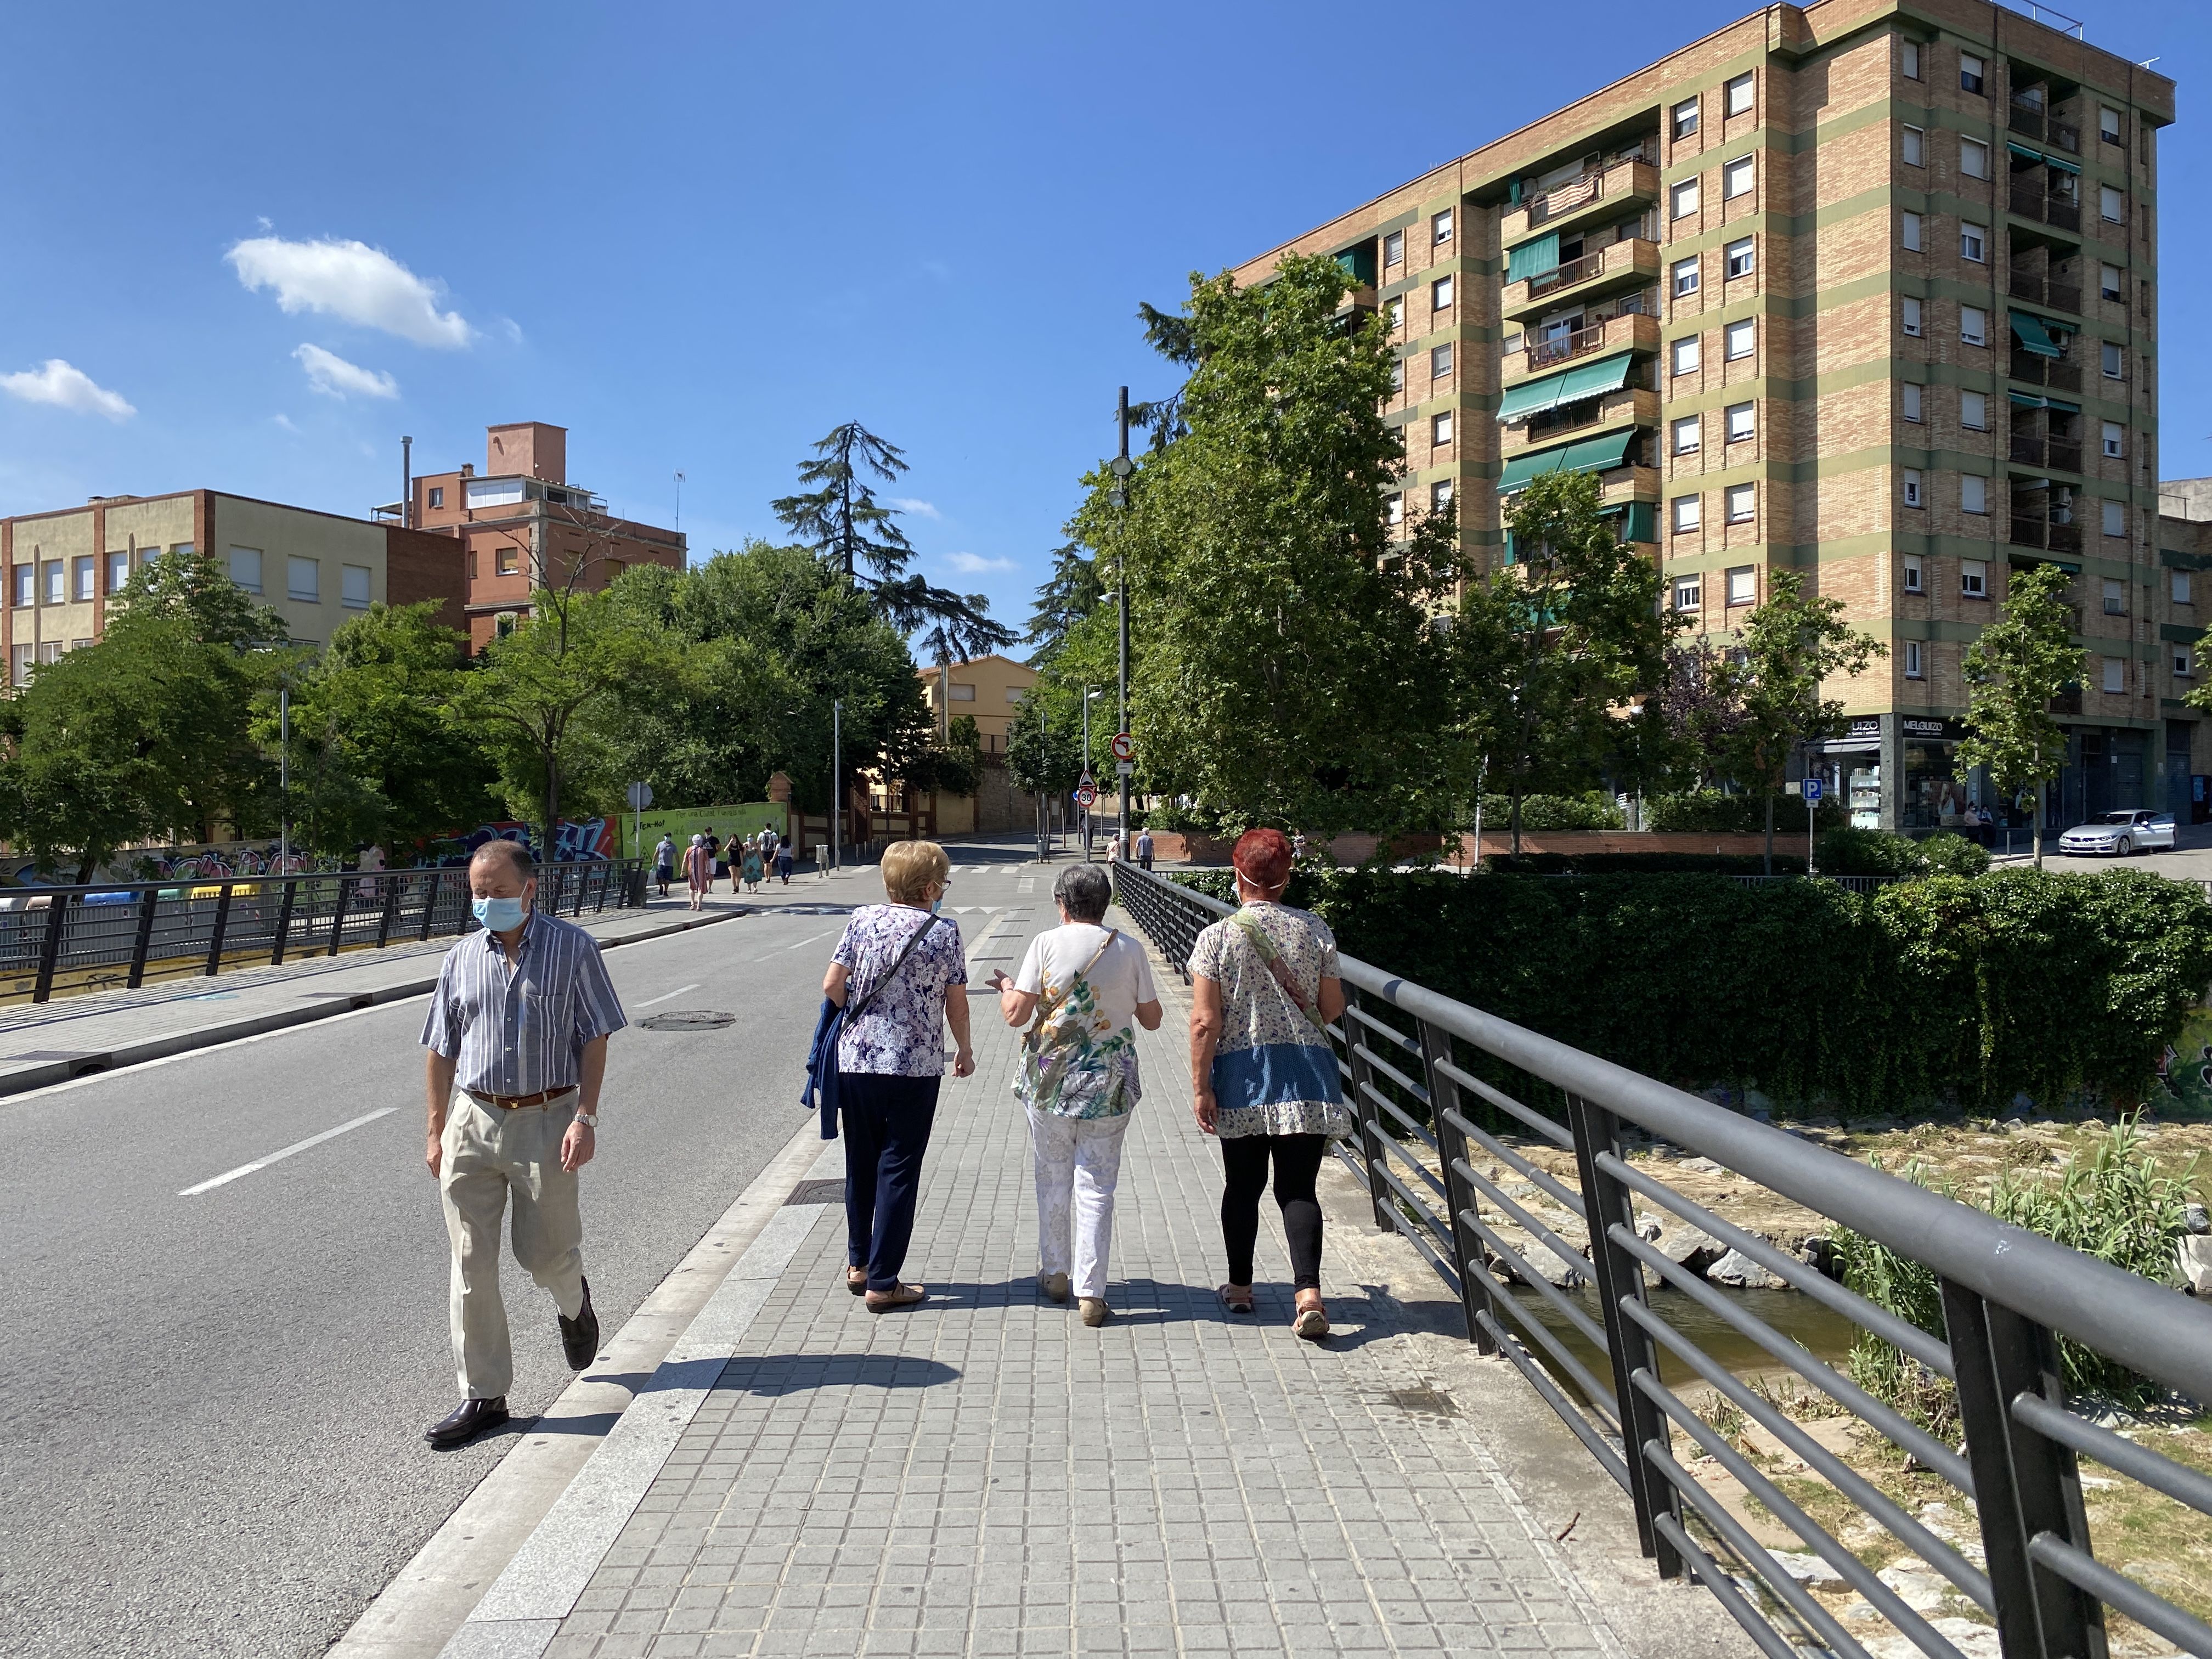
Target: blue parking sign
x=1812 y=789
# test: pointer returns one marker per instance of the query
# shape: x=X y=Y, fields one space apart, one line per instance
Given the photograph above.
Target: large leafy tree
x=1064 y=599
x=1290 y=672
x=2023 y=661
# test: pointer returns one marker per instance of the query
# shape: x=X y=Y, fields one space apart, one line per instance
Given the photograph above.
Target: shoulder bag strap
x=861 y=1007
x=1248 y=925
x=1045 y=1010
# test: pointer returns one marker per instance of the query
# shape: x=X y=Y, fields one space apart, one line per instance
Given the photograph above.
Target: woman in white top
x=1085 y=985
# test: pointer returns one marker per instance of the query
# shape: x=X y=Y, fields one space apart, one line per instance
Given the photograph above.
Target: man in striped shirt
x=517 y=1035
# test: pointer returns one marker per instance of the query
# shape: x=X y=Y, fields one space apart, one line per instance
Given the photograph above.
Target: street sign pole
x=1812 y=807
x=1122 y=469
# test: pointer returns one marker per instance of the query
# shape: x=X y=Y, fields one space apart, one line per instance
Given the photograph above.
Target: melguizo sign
x=1914 y=728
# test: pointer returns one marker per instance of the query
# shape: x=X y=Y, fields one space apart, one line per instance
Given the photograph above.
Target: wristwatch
x=589 y=1120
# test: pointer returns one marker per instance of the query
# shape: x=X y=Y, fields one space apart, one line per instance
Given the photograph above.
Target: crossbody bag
x=1051 y=1078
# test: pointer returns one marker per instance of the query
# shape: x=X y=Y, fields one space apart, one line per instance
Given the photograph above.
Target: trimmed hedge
x=1642 y=864
x=1967 y=990
x=1710 y=812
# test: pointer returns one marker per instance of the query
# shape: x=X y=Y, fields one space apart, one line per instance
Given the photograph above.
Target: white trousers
x=490 y=1155
x=1078 y=1161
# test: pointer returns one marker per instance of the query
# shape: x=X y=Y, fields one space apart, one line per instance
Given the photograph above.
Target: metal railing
x=120 y=933
x=1414 y=1064
x=2052 y=291
x=2053 y=372
x=2033 y=201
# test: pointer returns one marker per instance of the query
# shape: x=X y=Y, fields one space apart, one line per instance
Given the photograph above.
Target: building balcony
x=1630 y=264
x=1623 y=331
x=2046 y=291
x=2059 y=454
x=1629 y=406
x=2029 y=531
x=2032 y=121
x=1580 y=200
x=2053 y=372
x=2032 y=201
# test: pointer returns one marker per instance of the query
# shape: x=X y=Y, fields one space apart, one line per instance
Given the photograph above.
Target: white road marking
x=817 y=939
x=285 y=1153
x=664 y=996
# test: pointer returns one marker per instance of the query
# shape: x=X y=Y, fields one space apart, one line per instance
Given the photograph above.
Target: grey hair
x=1084 y=890
x=514 y=852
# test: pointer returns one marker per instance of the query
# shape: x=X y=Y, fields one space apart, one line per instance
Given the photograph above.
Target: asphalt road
x=212 y=1407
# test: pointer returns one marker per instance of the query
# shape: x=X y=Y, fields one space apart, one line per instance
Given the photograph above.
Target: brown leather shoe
x=467 y=1420
x=906 y=1296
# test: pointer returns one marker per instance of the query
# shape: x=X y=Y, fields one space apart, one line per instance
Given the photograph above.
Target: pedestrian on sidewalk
x=1263 y=1074
x=752 y=869
x=664 y=862
x=699 y=872
x=1145 y=848
x=901 y=973
x=517 y=1035
x=783 y=861
x=1084 y=985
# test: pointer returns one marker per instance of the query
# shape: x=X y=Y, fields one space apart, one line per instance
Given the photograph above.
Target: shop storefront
x=1935 y=792
x=1852 y=769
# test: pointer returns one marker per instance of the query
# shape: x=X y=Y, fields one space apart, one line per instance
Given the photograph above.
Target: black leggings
x=1297 y=1162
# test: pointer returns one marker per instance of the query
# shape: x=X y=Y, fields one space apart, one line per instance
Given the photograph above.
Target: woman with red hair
x=1263 y=1073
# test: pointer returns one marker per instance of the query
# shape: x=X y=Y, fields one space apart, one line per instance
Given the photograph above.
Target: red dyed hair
x=1262 y=857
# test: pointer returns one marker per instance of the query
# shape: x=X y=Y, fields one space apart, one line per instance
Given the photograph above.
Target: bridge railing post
x=1466 y=1250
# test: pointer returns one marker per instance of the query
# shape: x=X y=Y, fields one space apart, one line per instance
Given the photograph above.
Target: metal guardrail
x=1410 y=1059
x=197 y=926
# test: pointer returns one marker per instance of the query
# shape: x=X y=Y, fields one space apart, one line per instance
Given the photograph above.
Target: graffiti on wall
x=574 y=841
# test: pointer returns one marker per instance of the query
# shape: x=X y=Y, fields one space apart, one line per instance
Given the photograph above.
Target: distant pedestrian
x=664 y=862
x=1263 y=1074
x=1084 y=985
x=752 y=869
x=699 y=872
x=517 y=1035
x=1145 y=848
x=783 y=861
x=713 y=858
x=901 y=973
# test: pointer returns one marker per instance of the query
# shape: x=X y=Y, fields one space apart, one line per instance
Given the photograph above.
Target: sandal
x=1230 y=1294
x=904 y=1296
x=856 y=1281
x=1310 y=1321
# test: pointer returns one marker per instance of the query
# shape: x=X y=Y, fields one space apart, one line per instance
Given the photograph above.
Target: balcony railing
x=2054 y=373
x=2032 y=201
x=1592 y=336
x=2035 y=449
x=2029 y=531
x=2032 y=122
x=2046 y=290
x=1566 y=275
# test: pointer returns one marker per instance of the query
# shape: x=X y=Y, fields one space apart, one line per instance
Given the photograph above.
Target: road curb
x=29 y=1078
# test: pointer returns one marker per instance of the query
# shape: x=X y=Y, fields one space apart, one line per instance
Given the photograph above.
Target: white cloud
x=66 y=386
x=351 y=280
x=334 y=377
x=284 y=421
x=920 y=509
x=974 y=564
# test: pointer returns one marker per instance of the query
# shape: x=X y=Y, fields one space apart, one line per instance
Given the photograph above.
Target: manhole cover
x=1424 y=1402
x=698 y=1019
x=818 y=1192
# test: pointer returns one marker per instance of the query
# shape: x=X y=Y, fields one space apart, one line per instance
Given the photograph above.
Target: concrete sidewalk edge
x=429 y=1600
x=30 y=1078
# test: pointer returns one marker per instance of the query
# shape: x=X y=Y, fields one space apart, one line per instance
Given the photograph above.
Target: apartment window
x=2183 y=668
x=182 y=550
x=2116 y=519
x=1912 y=573
x=1440 y=429
x=1683 y=200
x=1741 y=422
x=303 y=580
x=1738 y=95
x=2111 y=206
x=2116 y=598
x=437 y=495
x=1689 y=592
x=2180 y=587
x=2108 y=125
x=1684 y=514
x=1738 y=177
x=2116 y=674
x=354 y=587
x=57 y=582
x=1439 y=496
x=246 y=567
x=1393 y=248
x=1908 y=60
x=1440 y=363
x=1397 y=313
x=1743 y=585
x=26 y=576
x=1973 y=158
x=1971 y=71
x=1913 y=149
x=1397 y=374
x=26 y=661
x=1973 y=241
x=1740 y=339
x=2110 y=285
x=1688 y=434
x=1973 y=325
x=1909 y=230
x=1973 y=493
x=50 y=651
x=119 y=570
x=508 y=561
x=1913 y=659
x=1440 y=294
x=2116 y=362
x=1909 y=316
x=84 y=577
x=1910 y=478
x=1440 y=229
x=1974 y=578
x=1742 y=503
x=1684 y=355
x=1394 y=510
x=2115 y=439
x=1974 y=412
x=1685 y=119
x=1738 y=255
x=472 y=564
x=1014 y=693
x=1909 y=400
x=1685 y=278
x=962 y=693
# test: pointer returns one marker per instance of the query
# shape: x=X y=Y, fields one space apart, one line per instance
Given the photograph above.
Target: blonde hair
x=911 y=867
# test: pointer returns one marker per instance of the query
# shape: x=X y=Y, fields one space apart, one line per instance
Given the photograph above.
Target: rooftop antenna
x=678 y=525
x=407 y=483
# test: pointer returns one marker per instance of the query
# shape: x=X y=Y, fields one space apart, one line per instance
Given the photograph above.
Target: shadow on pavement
x=775 y=1375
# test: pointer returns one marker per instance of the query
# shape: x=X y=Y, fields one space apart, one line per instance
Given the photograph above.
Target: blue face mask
x=501 y=915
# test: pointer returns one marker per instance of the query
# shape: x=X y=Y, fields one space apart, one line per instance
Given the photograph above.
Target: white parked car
x=2118 y=834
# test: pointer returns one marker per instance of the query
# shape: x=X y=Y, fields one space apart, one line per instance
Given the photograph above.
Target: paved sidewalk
x=986 y=1475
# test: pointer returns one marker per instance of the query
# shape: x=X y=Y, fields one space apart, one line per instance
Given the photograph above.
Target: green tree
x=1064 y=599
x=2023 y=661
x=1549 y=653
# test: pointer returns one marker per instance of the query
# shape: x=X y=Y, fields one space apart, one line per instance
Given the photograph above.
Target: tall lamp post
x=1089 y=692
x=1122 y=468
x=837 y=769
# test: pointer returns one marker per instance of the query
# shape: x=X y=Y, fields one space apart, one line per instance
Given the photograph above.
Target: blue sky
x=699 y=236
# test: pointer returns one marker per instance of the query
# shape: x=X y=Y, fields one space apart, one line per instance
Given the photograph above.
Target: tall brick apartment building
x=1865 y=289
x=523 y=525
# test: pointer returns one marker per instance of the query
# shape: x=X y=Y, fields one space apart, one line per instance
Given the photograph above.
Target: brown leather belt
x=516 y=1102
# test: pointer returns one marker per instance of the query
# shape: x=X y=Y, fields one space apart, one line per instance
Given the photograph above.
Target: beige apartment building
x=1863 y=289
x=59 y=570
x=989 y=688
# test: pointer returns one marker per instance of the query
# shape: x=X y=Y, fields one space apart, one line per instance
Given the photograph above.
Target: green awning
x=1639 y=520
x=2030 y=333
x=1533 y=259
x=2029 y=400
x=1598 y=454
x=2041 y=160
x=1587 y=381
x=2025 y=153
x=2062 y=405
x=2062 y=166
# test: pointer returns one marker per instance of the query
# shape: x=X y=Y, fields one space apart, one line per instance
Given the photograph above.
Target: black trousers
x=1297 y=1158
x=886 y=1126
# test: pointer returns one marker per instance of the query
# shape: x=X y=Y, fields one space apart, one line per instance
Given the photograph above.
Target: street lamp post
x=837 y=766
x=1122 y=468
x=284 y=774
x=1089 y=692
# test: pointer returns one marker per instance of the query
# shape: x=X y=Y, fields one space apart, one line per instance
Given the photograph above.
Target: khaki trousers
x=490 y=1155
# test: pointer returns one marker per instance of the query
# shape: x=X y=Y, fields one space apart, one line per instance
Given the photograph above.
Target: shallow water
x=1826 y=1333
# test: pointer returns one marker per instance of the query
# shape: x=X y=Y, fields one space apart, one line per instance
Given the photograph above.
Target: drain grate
x=1422 y=1402
x=697 y=1019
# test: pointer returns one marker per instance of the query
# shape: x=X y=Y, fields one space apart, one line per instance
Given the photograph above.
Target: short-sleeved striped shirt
x=520 y=1033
